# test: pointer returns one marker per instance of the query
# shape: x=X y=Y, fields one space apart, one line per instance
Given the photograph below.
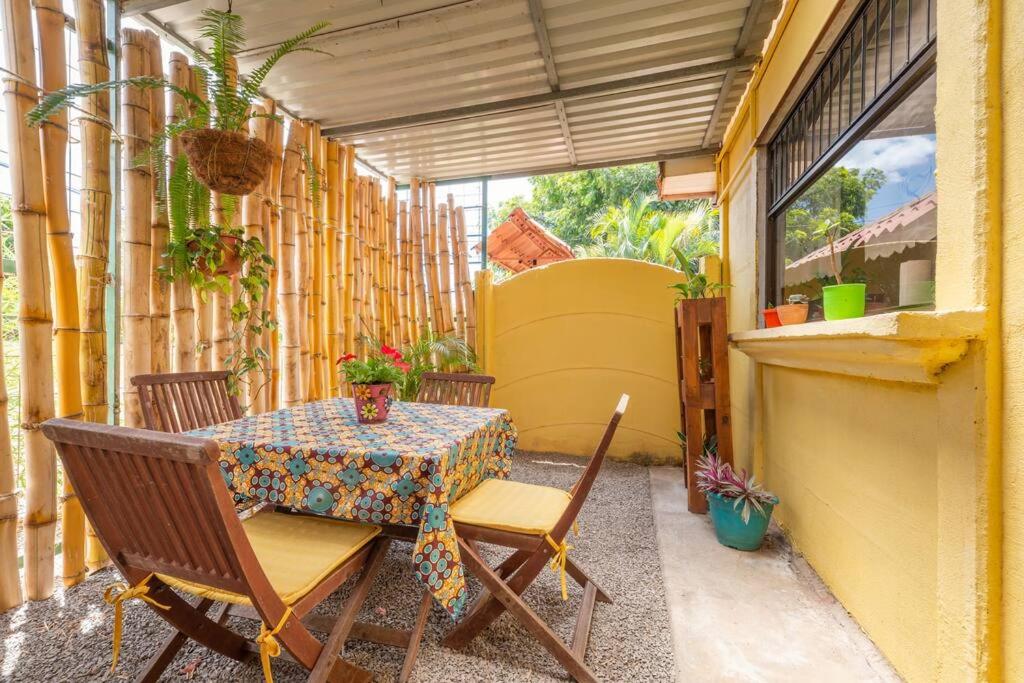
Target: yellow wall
x=906 y=496
x=564 y=341
x=1012 y=55
x=857 y=480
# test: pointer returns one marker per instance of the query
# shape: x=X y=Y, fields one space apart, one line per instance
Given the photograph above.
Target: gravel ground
x=67 y=638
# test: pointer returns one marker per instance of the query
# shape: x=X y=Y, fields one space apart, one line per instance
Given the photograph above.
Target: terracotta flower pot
x=792 y=314
x=232 y=262
x=373 y=402
x=771 y=318
x=227 y=161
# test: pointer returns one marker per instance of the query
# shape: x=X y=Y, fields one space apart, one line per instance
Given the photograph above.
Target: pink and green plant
x=718 y=477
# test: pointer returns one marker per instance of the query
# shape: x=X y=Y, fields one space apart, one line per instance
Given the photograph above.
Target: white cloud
x=892 y=155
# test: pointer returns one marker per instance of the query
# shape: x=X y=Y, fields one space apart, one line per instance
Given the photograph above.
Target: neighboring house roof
x=905 y=227
x=521 y=243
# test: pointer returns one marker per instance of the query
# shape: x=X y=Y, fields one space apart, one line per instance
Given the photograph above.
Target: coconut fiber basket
x=226 y=161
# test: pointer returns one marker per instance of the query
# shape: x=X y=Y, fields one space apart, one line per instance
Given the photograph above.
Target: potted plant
x=696 y=285
x=213 y=130
x=433 y=352
x=740 y=509
x=771 y=316
x=794 y=311
x=372 y=381
x=841 y=300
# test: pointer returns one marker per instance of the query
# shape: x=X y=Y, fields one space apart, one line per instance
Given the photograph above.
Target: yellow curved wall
x=564 y=341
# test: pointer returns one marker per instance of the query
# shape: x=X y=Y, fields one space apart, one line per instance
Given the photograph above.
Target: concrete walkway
x=763 y=616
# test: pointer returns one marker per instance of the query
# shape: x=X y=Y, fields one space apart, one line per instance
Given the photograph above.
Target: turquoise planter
x=729 y=526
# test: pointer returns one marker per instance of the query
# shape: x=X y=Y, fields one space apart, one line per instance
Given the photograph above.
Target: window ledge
x=901 y=347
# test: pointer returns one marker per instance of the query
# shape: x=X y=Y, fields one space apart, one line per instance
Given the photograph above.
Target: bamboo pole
x=459 y=320
x=349 y=249
x=394 y=265
x=444 y=267
x=183 y=314
x=136 y=240
x=288 y=289
x=420 y=320
x=445 y=230
x=159 y=288
x=94 y=238
x=302 y=240
x=253 y=387
x=357 y=266
x=35 y=320
x=50 y=23
x=405 y=273
x=376 y=222
x=272 y=223
x=314 y=312
x=202 y=302
x=333 y=296
x=10 y=583
x=223 y=342
x=430 y=254
x=14 y=18
x=467 y=289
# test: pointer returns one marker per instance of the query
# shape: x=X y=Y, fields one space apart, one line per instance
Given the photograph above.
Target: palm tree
x=637 y=229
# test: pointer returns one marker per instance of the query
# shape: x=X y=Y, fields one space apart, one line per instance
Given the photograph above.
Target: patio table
x=318 y=458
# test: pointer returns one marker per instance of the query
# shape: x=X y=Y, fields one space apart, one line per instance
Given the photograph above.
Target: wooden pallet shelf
x=701 y=333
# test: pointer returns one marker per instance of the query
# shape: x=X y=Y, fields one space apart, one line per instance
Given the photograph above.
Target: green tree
x=640 y=229
x=571 y=204
x=835 y=204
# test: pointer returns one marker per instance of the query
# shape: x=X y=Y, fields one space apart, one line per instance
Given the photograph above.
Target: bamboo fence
x=352 y=263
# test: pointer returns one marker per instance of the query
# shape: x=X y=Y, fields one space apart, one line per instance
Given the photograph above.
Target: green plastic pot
x=730 y=528
x=844 y=301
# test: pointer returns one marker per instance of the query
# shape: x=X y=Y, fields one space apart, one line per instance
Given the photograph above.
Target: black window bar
x=883 y=41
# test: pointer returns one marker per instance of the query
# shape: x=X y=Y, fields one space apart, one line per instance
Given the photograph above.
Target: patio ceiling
x=449 y=89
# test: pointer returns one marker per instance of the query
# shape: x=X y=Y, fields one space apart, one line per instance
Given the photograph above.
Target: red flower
x=390 y=352
x=403 y=366
x=346 y=358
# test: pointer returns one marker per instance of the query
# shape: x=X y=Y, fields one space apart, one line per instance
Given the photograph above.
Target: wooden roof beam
x=530 y=101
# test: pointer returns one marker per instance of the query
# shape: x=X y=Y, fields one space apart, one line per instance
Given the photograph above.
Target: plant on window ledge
x=841 y=300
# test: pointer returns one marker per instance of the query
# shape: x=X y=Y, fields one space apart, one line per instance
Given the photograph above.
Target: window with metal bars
x=851 y=171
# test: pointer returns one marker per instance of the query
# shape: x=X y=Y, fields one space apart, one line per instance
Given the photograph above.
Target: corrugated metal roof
x=446 y=88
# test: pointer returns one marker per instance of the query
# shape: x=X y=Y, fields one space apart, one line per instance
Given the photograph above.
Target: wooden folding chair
x=182 y=401
x=455 y=389
x=159 y=506
x=533 y=520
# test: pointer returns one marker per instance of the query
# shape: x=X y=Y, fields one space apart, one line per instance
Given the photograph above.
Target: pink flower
x=390 y=352
x=346 y=358
x=403 y=366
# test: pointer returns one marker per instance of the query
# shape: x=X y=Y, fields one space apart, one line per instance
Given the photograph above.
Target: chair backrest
x=581 y=489
x=182 y=401
x=455 y=389
x=157 y=502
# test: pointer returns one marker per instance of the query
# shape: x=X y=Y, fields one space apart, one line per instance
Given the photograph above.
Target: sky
x=500 y=190
x=909 y=166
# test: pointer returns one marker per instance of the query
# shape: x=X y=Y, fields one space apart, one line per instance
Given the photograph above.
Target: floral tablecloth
x=316 y=457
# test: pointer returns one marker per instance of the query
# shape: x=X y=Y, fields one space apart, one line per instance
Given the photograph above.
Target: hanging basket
x=227 y=161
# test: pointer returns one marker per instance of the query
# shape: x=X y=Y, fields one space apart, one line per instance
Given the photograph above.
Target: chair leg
x=573 y=570
x=196 y=625
x=416 y=636
x=488 y=608
x=335 y=645
x=572 y=663
x=163 y=657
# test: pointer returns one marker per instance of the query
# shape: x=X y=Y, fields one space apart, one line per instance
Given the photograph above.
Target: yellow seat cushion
x=296 y=552
x=512 y=506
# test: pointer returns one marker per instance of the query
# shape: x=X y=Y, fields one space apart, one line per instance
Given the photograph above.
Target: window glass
x=869 y=218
